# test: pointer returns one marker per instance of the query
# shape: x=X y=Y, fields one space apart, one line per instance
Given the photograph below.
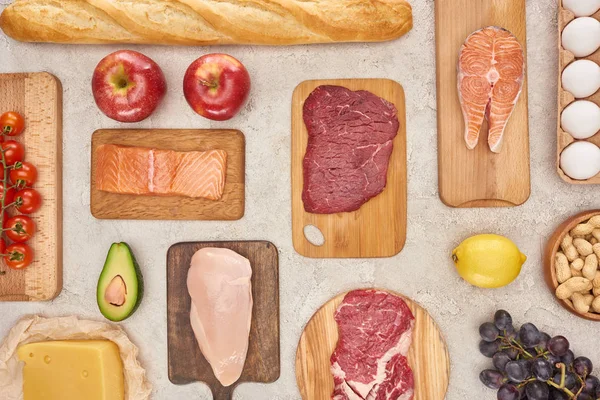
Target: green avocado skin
x=120 y=261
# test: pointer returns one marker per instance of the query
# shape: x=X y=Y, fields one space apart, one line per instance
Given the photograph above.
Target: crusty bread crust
x=205 y=22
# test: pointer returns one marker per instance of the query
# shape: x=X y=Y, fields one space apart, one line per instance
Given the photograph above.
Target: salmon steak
x=491 y=71
x=142 y=171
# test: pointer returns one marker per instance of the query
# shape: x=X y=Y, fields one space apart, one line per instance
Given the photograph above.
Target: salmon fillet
x=491 y=70
x=142 y=171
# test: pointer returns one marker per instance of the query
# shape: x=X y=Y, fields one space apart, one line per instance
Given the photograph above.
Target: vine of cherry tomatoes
x=17 y=197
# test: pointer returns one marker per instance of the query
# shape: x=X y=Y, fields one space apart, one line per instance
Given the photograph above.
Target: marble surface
x=423 y=271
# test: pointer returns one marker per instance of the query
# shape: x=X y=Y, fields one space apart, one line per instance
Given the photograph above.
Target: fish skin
x=143 y=171
x=491 y=72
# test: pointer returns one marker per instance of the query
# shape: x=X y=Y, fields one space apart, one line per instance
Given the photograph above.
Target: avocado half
x=120 y=286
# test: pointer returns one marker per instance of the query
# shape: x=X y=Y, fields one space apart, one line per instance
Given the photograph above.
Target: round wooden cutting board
x=428 y=356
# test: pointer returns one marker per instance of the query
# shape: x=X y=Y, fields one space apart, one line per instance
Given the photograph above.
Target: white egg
x=580 y=160
x=582 y=36
x=581 y=78
x=581 y=119
x=582 y=8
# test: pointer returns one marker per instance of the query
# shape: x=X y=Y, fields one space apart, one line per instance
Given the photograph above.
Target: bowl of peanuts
x=572 y=264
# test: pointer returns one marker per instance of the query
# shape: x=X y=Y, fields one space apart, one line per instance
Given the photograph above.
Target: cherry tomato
x=18 y=256
x=9 y=196
x=25 y=172
x=2 y=246
x=28 y=201
x=13 y=151
x=19 y=228
x=12 y=123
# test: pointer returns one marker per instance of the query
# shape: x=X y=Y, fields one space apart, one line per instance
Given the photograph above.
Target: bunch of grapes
x=529 y=364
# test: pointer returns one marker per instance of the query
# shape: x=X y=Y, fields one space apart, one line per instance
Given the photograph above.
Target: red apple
x=216 y=86
x=128 y=86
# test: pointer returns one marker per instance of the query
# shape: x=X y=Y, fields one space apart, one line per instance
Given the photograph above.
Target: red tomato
x=9 y=196
x=13 y=151
x=2 y=246
x=28 y=201
x=18 y=256
x=19 y=228
x=25 y=172
x=12 y=123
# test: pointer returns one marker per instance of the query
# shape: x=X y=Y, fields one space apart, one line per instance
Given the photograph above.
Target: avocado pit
x=116 y=291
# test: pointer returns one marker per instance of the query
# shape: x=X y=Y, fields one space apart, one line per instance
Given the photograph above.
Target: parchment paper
x=39 y=329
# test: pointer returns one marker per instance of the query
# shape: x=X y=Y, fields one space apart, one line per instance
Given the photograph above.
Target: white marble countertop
x=424 y=269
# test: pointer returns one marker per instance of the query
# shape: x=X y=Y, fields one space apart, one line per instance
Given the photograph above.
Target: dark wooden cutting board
x=105 y=205
x=186 y=362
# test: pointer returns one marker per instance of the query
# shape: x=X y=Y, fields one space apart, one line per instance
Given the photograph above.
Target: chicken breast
x=221 y=313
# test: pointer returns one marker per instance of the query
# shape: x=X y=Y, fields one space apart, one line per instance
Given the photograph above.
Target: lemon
x=488 y=261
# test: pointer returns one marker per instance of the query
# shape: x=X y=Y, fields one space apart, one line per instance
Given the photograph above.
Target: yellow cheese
x=72 y=370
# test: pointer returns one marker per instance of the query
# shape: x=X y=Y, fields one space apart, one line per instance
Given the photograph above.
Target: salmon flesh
x=142 y=171
x=491 y=70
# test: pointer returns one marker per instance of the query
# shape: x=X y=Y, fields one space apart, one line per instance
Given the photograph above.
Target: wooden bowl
x=549 y=258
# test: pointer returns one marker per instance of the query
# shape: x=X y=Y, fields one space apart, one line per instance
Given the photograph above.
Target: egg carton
x=565 y=98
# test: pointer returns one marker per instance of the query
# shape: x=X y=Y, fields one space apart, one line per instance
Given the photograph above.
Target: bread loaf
x=205 y=22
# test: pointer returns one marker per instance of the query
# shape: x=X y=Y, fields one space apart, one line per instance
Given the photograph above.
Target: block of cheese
x=72 y=370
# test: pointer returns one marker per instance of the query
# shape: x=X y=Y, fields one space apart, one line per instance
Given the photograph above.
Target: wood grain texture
x=105 y=205
x=38 y=97
x=478 y=177
x=552 y=248
x=186 y=362
x=428 y=356
x=565 y=98
x=378 y=228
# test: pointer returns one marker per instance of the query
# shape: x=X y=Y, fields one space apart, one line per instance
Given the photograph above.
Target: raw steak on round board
x=369 y=362
x=350 y=137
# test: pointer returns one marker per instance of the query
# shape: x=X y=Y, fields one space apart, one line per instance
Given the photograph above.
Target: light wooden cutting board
x=38 y=97
x=428 y=356
x=186 y=362
x=478 y=178
x=378 y=228
x=105 y=205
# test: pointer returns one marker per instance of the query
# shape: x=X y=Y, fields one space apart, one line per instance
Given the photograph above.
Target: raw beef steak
x=349 y=146
x=369 y=362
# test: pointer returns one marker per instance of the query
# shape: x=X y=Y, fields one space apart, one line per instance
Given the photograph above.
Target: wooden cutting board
x=478 y=178
x=186 y=362
x=38 y=97
x=105 y=205
x=378 y=228
x=428 y=356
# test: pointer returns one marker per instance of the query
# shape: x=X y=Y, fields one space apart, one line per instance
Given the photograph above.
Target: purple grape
x=571 y=380
x=491 y=378
x=553 y=360
x=503 y=320
x=583 y=366
x=568 y=358
x=544 y=339
x=558 y=345
x=591 y=385
x=500 y=360
x=537 y=391
x=508 y=392
x=584 y=396
x=556 y=394
x=517 y=371
x=488 y=349
x=489 y=332
x=542 y=369
x=529 y=335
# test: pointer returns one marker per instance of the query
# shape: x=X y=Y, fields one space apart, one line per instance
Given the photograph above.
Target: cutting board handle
x=222 y=393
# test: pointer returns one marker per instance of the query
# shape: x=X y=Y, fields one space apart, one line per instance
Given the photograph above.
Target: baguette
x=206 y=22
